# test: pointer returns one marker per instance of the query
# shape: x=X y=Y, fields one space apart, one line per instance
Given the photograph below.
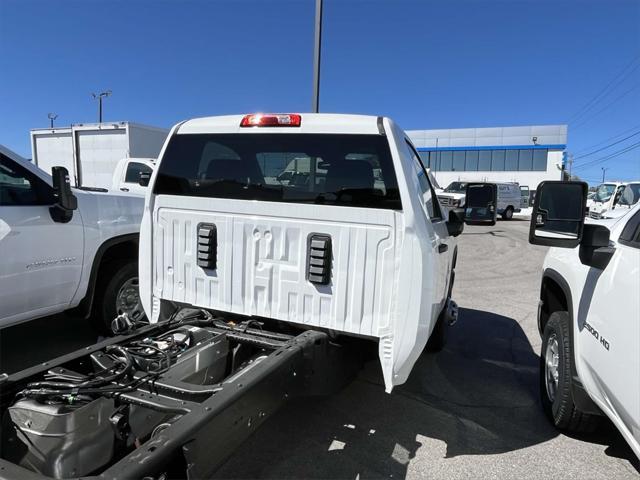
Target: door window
x=428 y=193
x=19 y=187
x=630 y=235
x=134 y=169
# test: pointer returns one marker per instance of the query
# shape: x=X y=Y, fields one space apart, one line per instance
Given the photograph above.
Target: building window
x=458 y=160
x=540 y=160
x=446 y=161
x=511 y=161
x=434 y=158
x=472 y=161
x=424 y=156
x=497 y=160
x=525 y=160
x=484 y=160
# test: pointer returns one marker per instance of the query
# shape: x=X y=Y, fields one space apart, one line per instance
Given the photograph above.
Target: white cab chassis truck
x=260 y=287
x=589 y=313
x=56 y=257
x=357 y=244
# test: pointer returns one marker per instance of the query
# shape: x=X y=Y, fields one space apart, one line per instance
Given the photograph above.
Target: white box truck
x=91 y=152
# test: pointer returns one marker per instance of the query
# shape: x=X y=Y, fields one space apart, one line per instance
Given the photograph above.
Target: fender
x=581 y=398
x=85 y=306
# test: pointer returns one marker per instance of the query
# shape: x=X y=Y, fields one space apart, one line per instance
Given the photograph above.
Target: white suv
x=589 y=313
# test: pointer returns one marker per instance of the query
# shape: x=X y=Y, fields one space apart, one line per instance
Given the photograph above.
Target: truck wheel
x=118 y=294
x=507 y=214
x=555 y=378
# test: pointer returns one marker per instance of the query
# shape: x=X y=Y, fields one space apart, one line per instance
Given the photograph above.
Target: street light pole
x=51 y=117
x=603 y=171
x=315 y=103
x=100 y=96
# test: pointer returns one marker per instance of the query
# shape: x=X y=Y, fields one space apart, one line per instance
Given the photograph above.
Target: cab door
x=610 y=338
x=436 y=216
x=40 y=260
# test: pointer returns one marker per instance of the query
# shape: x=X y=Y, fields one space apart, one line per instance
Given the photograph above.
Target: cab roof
x=310 y=123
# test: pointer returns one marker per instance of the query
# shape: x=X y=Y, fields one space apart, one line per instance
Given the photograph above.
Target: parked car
x=126 y=177
x=453 y=195
x=65 y=248
x=588 y=313
x=509 y=197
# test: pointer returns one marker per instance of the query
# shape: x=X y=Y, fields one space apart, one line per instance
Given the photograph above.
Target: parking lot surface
x=470 y=411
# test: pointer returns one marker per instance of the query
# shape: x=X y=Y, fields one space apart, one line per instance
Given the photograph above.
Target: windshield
x=630 y=194
x=456 y=187
x=604 y=192
x=331 y=169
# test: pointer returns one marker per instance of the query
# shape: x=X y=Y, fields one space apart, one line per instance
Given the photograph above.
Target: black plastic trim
x=319 y=255
x=86 y=304
x=380 y=123
x=207 y=255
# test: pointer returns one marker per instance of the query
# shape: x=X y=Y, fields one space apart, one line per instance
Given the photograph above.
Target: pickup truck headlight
x=456 y=203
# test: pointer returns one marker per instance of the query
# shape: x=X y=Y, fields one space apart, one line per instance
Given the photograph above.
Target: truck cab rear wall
x=385 y=275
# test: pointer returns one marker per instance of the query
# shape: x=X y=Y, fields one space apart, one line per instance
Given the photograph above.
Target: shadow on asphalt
x=37 y=341
x=478 y=396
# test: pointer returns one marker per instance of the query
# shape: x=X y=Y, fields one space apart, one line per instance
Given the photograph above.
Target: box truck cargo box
x=91 y=152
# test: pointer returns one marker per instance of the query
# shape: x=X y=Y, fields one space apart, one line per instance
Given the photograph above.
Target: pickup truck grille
x=595 y=215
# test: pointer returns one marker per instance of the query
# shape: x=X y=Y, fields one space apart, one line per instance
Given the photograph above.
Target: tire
x=507 y=214
x=558 y=404
x=438 y=338
x=117 y=292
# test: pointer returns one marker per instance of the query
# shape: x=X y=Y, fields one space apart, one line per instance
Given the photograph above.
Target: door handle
x=443 y=247
x=124 y=189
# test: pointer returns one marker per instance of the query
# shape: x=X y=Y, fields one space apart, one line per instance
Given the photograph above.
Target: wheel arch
x=555 y=295
x=122 y=247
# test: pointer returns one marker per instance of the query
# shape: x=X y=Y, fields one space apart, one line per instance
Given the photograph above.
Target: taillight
x=271 y=120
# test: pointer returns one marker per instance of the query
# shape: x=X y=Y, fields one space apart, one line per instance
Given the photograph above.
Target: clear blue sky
x=427 y=64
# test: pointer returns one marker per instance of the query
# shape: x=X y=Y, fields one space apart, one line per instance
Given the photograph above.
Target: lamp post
x=315 y=102
x=603 y=172
x=100 y=96
x=51 y=117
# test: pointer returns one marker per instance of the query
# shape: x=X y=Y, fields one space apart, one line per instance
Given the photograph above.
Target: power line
x=604 y=92
x=591 y=163
x=606 y=106
x=614 y=137
x=607 y=146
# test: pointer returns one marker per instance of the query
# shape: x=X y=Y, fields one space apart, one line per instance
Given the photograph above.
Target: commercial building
x=527 y=155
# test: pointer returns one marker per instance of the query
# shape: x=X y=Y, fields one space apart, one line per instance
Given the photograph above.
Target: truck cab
x=588 y=313
x=126 y=176
x=324 y=222
x=605 y=198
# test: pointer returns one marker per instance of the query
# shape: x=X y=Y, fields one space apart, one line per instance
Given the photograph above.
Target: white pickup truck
x=589 y=312
x=54 y=257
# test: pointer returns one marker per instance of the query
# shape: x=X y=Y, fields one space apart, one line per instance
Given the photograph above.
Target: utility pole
x=315 y=103
x=570 y=164
x=51 y=117
x=100 y=96
x=603 y=171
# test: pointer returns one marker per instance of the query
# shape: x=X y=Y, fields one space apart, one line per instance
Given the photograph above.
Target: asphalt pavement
x=470 y=411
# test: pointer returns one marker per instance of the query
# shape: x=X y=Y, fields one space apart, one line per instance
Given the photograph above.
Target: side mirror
x=480 y=204
x=66 y=201
x=557 y=219
x=455 y=224
x=144 y=178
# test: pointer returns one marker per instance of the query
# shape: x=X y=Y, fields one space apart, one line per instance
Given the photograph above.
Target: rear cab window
x=330 y=169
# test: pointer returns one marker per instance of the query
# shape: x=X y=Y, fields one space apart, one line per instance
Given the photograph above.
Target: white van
x=509 y=199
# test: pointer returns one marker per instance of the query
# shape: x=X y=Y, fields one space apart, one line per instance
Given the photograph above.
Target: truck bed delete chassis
x=208 y=419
